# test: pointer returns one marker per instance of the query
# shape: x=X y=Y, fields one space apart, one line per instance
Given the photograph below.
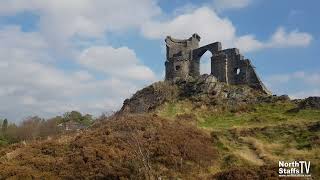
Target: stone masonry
x=228 y=65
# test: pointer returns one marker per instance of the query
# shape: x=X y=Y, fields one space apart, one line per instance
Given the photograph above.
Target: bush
x=133 y=147
x=36 y=128
x=77 y=117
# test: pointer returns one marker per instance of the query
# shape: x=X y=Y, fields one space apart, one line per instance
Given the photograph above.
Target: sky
x=90 y=55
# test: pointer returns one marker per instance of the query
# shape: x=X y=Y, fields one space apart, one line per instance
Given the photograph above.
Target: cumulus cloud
x=31 y=81
x=16 y=45
x=85 y=17
x=32 y=85
x=248 y=43
x=121 y=62
x=61 y=20
x=230 y=4
x=279 y=39
x=214 y=28
x=202 y=20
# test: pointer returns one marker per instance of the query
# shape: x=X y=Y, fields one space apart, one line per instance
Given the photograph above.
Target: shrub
x=134 y=147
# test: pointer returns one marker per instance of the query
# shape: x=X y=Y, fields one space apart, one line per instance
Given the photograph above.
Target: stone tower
x=228 y=65
x=179 y=56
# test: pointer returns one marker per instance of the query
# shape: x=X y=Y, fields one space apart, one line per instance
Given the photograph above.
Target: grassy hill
x=201 y=130
x=256 y=135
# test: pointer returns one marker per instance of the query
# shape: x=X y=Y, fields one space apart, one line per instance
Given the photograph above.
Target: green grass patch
x=262 y=114
x=172 y=109
x=169 y=110
x=224 y=120
x=308 y=114
x=3 y=141
x=246 y=116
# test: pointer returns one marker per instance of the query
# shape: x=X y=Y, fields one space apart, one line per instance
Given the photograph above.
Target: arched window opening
x=237 y=71
x=205 y=63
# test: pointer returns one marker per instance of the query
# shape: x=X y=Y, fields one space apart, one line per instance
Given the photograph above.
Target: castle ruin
x=228 y=65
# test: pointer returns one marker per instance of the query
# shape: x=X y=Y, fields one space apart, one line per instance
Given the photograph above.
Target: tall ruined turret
x=228 y=65
x=179 y=56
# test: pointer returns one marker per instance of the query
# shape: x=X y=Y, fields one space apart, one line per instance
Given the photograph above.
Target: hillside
x=256 y=135
x=204 y=90
x=198 y=129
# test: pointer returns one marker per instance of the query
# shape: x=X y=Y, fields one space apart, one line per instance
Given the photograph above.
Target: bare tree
x=142 y=153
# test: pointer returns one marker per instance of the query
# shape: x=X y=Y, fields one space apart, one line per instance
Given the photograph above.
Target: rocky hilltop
x=204 y=90
x=232 y=82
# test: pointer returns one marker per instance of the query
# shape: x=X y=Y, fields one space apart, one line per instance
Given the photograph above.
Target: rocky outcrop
x=274 y=98
x=204 y=90
x=150 y=97
x=310 y=103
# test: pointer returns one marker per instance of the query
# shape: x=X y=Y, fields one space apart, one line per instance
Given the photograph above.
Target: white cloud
x=281 y=39
x=18 y=46
x=230 y=4
x=85 y=17
x=248 y=43
x=202 y=20
x=31 y=84
x=209 y=25
x=61 y=20
x=121 y=62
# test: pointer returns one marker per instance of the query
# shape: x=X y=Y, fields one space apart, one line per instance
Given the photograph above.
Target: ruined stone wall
x=228 y=65
x=236 y=67
x=231 y=67
x=214 y=48
x=219 y=65
x=194 y=68
x=179 y=56
x=179 y=68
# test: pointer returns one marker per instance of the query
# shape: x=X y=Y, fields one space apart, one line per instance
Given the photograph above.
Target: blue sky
x=89 y=55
